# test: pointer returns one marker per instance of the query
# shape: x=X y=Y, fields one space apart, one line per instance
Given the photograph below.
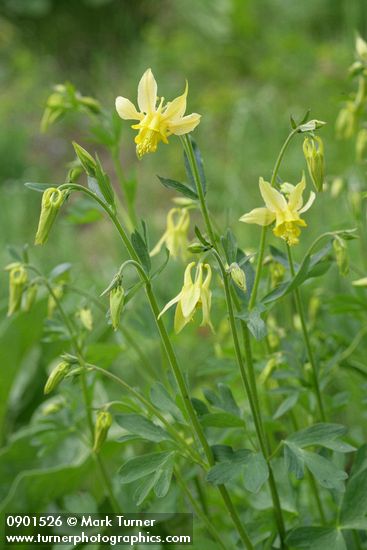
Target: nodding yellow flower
x=175 y=236
x=284 y=211
x=156 y=123
x=192 y=296
x=18 y=278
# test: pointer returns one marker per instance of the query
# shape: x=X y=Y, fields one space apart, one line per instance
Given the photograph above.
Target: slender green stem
x=193 y=455
x=199 y=512
x=253 y=401
x=123 y=329
x=114 y=503
x=129 y=218
x=171 y=358
x=260 y=258
x=317 y=498
x=194 y=167
x=249 y=382
x=307 y=341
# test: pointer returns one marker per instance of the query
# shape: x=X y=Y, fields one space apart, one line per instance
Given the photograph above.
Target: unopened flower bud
x=336 y=187
x=341 y=256
x=103 y=424
x=86 y=317
x=361 y=49
x=30 y=297
x=346 y=122
x=361 y=145
x=57 y=375
x=17 y=280
x=52 y=201
x=196 y=248
x=238 y=276
x=117 y=296
x=58 y=291
x=90 y=103
x=87 y=161
x=313 y=149
x=311 y=125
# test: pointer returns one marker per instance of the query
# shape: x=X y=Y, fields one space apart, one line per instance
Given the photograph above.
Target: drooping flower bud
x=17 y=280
x=103 y=424
x=86 y=317
x=346 y=122
x=361 y=145
x=337 y=186
x=52 y=201
x=341 y=256
x=313 y=149
x=57 y=375
x=58 y=291
x=117 y=297
x=30 y=297
x=238 y=276
x=361 y=49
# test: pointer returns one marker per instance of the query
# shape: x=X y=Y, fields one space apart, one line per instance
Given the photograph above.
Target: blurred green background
x=250 y=65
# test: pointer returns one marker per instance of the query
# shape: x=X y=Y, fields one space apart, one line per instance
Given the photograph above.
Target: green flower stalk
x=313 y=149
x=17 y=280
x=52 y=200
x=57 y=375
x=103 y=424
x=117 y=298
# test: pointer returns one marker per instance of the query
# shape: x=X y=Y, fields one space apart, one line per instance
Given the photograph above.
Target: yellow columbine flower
x=192 y=296
x=175 y=236
x=156 y=123
x=285 y=212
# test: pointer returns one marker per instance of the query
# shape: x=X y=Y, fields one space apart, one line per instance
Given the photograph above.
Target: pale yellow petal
x=159 y=245
x=360 y=282
x=260 y=216
x=147 y=92
x=190 y=296
x=184 y=125
x=309 y=203
x=127 y=110
x=295 y=200
x=206 y=300
x=180 y=320
x=176 y=108
x=274 y=200
x=170 y=304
